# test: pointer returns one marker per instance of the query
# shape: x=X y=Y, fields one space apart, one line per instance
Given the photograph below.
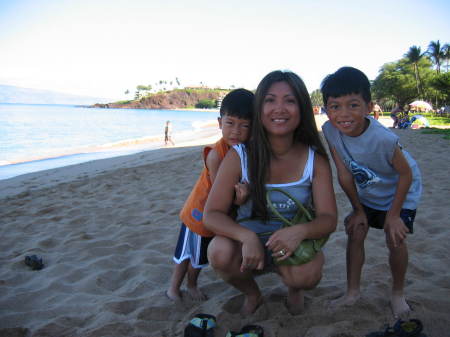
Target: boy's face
x=234 y=130
x=348 y=113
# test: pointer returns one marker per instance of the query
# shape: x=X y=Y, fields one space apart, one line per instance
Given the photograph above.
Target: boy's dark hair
x=346 y=81
x=238 y=103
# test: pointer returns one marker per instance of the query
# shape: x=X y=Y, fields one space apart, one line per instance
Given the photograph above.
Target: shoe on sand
x=202 y=325
x=34 y=262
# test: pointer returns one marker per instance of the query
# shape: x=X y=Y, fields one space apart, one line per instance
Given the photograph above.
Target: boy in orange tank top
x=191 y=249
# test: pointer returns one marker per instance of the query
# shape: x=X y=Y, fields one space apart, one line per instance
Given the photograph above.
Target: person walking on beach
x=190 y=253
x=168 y=133
x=284 y=153
x=381 y=180
x=376 y=111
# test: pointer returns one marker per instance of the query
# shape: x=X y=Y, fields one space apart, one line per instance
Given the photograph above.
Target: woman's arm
x=217 y=219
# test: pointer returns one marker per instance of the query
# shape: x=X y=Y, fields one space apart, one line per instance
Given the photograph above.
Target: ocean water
x=39 y=137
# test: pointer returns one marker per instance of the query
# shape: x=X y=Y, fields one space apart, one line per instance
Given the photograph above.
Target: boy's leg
x=176 y=280
x=199 y=259
x=225 y=257
x=398 y=261
x=192 y=277
x=355 y=257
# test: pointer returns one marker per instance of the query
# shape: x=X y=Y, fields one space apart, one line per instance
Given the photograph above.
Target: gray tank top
x=301 y=190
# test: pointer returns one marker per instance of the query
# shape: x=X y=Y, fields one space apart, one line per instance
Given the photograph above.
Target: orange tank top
x=192 y=212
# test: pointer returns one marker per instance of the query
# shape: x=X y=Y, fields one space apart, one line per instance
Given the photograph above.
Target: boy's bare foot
x=399 y=305
x=196 y=294
x=346 y=300
x=251 y=303
x=295 y=302
x=174 y=296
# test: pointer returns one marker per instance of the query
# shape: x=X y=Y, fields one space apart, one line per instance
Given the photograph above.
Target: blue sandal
x=202 y=325
x=247 y=331
x=411 y=328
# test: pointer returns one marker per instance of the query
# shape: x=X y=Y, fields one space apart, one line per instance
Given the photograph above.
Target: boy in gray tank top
x=380 y=179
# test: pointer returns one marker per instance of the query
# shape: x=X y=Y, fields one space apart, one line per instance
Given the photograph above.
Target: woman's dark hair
x=346 y=81
x=259 y=147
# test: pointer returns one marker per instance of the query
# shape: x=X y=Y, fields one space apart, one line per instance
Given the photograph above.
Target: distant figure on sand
x=284 y=155
x=234 y=121
x=168 y=133
x=376 y=111
x=394 y=115
x=381 y=180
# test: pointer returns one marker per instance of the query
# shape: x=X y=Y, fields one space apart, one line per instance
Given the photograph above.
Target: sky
x=101 y=48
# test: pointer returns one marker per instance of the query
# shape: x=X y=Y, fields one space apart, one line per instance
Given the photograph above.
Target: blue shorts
x=191 y=246
x=376 y=218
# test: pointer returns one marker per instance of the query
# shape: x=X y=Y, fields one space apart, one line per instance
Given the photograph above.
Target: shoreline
x=205 y=133
x=202 y=130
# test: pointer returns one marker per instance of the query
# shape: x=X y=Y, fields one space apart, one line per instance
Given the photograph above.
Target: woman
x=285 y=151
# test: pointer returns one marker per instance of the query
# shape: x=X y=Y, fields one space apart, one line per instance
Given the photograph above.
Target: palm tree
x=436 y=54
x=446 y=53
x=414 y=55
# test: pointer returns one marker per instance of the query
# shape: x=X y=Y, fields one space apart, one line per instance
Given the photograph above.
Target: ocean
x=38 y=137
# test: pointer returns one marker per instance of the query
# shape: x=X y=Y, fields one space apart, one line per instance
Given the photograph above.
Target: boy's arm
x=212 y=164
x=394 y=225
x=347 y=183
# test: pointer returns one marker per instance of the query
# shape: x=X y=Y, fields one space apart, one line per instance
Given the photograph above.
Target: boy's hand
x=396 y=229
x=242 y=193
x=354 y=220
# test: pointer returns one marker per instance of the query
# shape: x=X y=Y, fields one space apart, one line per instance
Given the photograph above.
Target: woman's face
x=280 y=110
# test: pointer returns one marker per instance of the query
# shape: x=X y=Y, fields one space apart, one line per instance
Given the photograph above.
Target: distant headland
x=187 y=98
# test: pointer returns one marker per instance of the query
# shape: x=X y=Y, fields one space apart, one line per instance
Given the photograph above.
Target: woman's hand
x=252 y=253
x=285 y=241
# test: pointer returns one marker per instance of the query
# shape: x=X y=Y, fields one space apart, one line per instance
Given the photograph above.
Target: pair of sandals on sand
x=202 y=325
x=411 y=328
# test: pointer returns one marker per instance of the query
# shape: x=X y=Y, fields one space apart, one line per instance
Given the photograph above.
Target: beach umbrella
x=421 y=105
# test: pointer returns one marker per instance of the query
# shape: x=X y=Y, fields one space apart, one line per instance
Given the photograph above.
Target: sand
x=106 y=231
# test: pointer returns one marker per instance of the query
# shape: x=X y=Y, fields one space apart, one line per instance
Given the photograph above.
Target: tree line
x=418 y=75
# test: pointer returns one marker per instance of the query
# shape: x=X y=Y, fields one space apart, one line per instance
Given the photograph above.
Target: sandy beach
x=106 y=231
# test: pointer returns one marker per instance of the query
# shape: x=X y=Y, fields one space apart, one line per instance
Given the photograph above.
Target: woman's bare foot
x=295 y=302
x=348 y=299
x=196 y=294
x=251 y=303
x=399 y=305
x=173 y=295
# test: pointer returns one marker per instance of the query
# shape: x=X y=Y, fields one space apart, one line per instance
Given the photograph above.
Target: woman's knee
x=222 y=252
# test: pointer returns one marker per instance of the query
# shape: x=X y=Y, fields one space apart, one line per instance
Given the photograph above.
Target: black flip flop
x=411 y=328
x=247 y=331
x=201 y=325
x=34 y=262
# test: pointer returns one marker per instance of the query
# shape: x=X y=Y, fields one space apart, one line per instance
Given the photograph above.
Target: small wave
x=4 y=162
x=205 y=124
